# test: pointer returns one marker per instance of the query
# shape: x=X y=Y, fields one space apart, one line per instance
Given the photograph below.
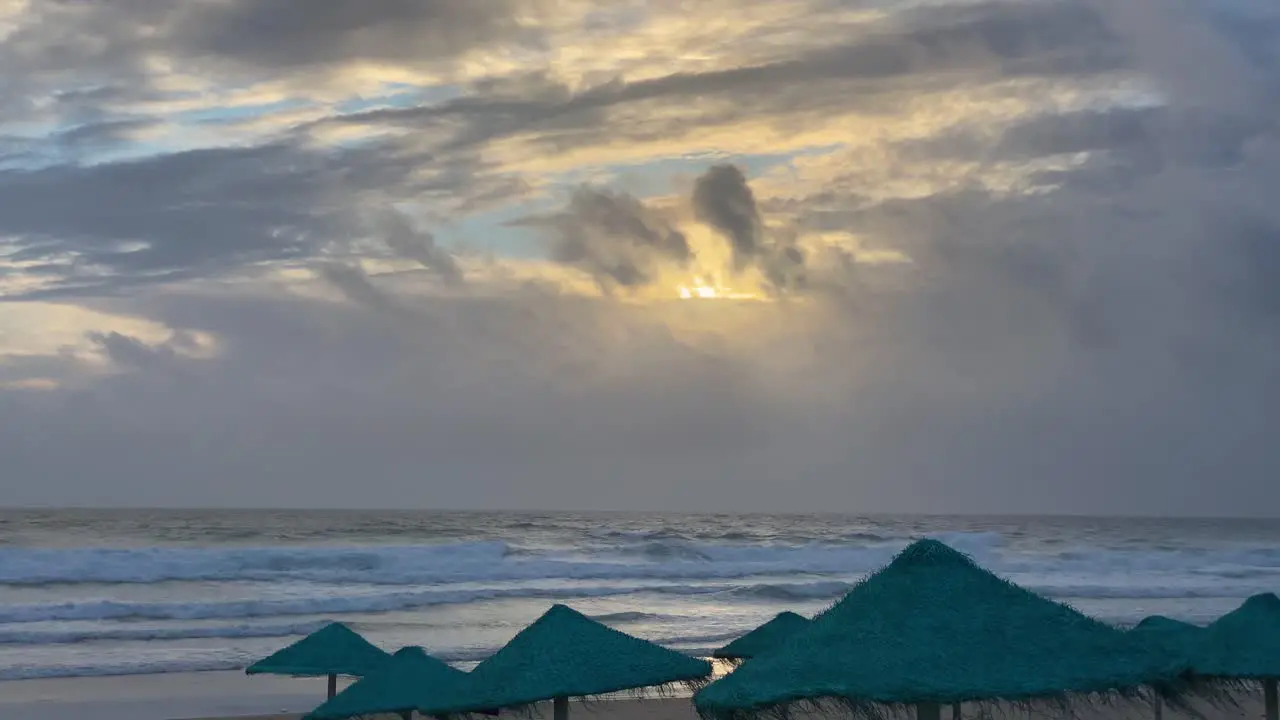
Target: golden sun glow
x=700 y=289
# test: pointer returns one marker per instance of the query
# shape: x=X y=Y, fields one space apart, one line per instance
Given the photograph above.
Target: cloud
x=415 y=244
x=281 y=36
x=722 y=199
x=614 y=237
x=1082 y=319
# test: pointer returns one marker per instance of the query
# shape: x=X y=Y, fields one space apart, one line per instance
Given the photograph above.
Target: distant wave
x=772 y=594
x=795 y=591
x=625 y=617
x=150 y=667
x=214 y=660
x=612 y=556
x=324 y=605
x=64 y=637
x=425 y=564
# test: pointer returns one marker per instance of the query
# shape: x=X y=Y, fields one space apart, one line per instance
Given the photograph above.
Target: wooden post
x=955 y=711
x=333 y=685
x=928 y=711
x=561 y=708
x=1269 y=693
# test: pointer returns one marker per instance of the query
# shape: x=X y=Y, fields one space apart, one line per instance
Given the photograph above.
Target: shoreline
x=206 y=695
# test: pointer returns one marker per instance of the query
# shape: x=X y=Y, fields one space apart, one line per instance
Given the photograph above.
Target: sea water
x=131 y=592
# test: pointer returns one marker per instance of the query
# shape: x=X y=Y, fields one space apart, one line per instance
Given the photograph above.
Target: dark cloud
x=90 y=54
x=282 y=35
x=211 y=209
x=613 y=236
x=413 y=243
x=356 y=285
x=722 y=199
x=132 y=353
x=106 y=132
x=205 y=212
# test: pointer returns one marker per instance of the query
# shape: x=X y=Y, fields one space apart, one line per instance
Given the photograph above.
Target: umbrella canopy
x=1244 y=643
x=567 y=654
x=763 y=638
x=934 y=628
x=334 y=649
x=1173 y=636
x=1162 y=624
x=410 y=678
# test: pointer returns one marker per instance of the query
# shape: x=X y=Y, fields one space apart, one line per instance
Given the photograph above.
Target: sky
x=938 y=256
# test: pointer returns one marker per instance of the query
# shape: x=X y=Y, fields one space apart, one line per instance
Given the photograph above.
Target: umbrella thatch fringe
x=652 y=692
x=1186 y=698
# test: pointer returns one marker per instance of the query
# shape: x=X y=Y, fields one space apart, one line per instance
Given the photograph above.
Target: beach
x=233 y=696
x=185 y=696
x=159 y=697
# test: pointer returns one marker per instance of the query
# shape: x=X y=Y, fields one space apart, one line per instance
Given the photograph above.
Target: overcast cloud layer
x=1018 y=256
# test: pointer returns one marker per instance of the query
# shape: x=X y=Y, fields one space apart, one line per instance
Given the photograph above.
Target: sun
x=701 y=289
x=704 y=292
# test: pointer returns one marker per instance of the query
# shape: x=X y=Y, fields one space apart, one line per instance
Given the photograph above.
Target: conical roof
x=933 y=627
x=1162 y=624
x=334 y=649
x=1173 y=636
x=1244 y=643
x=407 y=680
x=763 y=638
x=567 y=654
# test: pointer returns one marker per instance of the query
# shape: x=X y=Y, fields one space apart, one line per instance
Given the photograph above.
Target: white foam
x=335 y=603
x=21 y=635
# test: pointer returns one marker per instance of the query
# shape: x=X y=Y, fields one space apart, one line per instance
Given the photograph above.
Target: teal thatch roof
x=410 y=678
x=1244 y=643
x=334 y=649
x=763 y=638
x=567 y=654
x=1162 y=624
x=933 y=627
x=1173 y=636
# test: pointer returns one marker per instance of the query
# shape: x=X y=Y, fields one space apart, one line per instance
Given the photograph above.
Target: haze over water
x=120 y=592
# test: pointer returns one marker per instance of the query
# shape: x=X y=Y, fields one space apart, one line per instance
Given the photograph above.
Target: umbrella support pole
x=1157 y=707
x=955 y=711
x=928 y=711
x=560 y=708
x=1269 y=693
x=333 y=686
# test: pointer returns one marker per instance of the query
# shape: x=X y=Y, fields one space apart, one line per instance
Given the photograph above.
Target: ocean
x=134 y=592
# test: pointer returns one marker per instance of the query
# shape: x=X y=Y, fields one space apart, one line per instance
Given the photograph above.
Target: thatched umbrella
x=763 y=638
x=410 y=678
x=1172 y=636
x=333 y=650
x=566 y=654
x=933 y=628
x=1244 y=644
